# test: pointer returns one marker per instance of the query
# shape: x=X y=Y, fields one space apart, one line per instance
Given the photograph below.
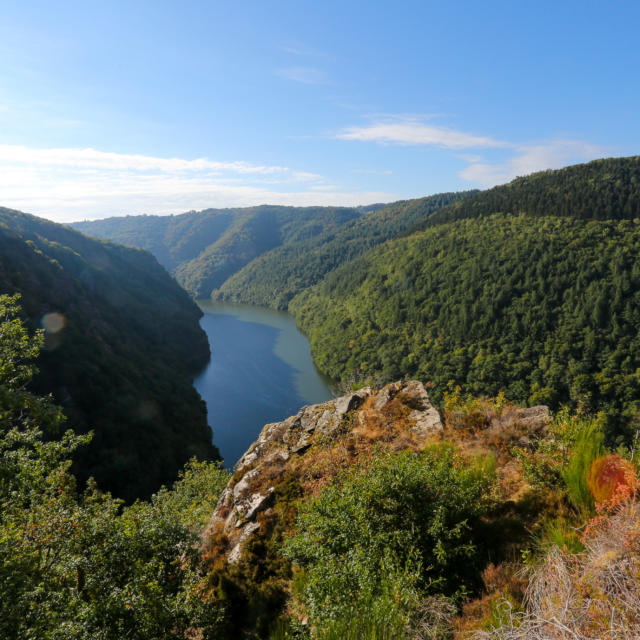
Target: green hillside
x=607 y=189
x=275 y=277
x=204 y=248
x=545 y=308
x=122 y=364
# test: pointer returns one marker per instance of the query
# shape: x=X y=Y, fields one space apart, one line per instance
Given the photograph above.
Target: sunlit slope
x=607 y=189
x=275 y=277
x=122 y=363
x=205 y=248
x=546 y=309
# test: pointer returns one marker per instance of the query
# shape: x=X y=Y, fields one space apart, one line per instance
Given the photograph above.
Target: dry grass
x=587 y=596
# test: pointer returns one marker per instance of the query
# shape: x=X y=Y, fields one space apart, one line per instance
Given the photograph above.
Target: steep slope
x=204 y=248
x=122 y=343
x=544 y=308
x=607 y=189
x=395 y=433
x=275 y=277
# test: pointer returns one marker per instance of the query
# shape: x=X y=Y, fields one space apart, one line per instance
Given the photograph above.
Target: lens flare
x=53 y=322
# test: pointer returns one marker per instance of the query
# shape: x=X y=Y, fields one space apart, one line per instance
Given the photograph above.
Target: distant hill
x=122 y=364
x=204 y=248
x=275 y=277
x=607 y=189
x=532 y=288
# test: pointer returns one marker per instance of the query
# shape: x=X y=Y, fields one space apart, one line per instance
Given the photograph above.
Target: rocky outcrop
x=313 y=446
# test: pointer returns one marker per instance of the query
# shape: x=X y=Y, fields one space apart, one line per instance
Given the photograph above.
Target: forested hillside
x=122 y=341
x=204 y=248
x=274 y=278
x=607 y=189
x=544 y=308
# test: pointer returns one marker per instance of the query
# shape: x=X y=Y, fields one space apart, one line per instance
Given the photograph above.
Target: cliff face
x=293 y=461
x=312 y=447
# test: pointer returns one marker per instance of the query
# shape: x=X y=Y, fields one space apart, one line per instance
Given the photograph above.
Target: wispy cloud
x=409 y=131
x=70 y=184
x=304 y=75
x=373 y=172
x=530 y=158
x=92 y=158
x=522 y=159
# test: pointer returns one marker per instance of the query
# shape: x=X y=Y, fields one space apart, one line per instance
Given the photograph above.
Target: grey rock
x=236 y=552
x=414 y=395
x=328 y=422
x=304 y=442
x=348 y=403
x=427 y=422
x=248 y=509
x=386 y=395
x=243 y=484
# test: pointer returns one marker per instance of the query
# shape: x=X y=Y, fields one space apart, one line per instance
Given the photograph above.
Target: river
x=260 y=371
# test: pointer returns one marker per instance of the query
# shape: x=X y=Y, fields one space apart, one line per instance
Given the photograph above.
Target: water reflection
x=260 y=371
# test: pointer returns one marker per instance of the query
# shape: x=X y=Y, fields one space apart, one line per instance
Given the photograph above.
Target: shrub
x=390 y=532
x=611 y=476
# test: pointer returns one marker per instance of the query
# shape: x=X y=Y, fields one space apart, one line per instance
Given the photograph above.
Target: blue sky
x=111 y=108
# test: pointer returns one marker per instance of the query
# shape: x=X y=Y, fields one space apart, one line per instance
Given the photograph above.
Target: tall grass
x=588 y=446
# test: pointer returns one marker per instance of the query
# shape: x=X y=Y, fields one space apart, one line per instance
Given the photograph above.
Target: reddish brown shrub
x=611 y=477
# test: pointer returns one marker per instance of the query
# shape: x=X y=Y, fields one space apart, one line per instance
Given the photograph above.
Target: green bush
x=85 y=566
x=385 y=534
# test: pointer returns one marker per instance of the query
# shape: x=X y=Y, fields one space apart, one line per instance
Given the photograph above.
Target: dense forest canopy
x=607 y=189
x=204 y=248
x=275 y=277
x=120 y=350
x=544 y=308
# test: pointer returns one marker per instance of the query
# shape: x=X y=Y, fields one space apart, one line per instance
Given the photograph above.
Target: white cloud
x=71 y=184
x=304 y=75
x=531 y=158
x=87 y=158
x=409 y=131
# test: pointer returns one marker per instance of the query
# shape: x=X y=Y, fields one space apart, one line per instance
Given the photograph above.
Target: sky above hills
x=112 y=108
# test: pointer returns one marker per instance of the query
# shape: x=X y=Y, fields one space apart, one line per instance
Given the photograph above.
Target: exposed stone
x=414 y=395
x=537 y=416
x=278 y=455
x=247 y=531
x=272 y=455
x=248 y=458
x=303 y=443
x=249 y=508
x=328 y=422
x=531 y=418
x=242 y=486
x=385 y=396
x=348 y=403
x=236 y=553
x=427 y=422
x=308 y=420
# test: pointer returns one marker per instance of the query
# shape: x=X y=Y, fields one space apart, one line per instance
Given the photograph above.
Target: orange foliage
x=612 y=479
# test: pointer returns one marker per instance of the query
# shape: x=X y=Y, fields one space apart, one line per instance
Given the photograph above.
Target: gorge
x=260 y=371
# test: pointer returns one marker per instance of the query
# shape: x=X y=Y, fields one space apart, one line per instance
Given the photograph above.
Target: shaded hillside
x=606 y=189
x=204 y=248
x=119 y=353
x=275 y=277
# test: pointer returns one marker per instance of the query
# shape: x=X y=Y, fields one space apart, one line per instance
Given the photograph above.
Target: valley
x=260 y=371
x=488 y=344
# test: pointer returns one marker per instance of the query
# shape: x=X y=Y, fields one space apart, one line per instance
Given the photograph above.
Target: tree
x=83 y=565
